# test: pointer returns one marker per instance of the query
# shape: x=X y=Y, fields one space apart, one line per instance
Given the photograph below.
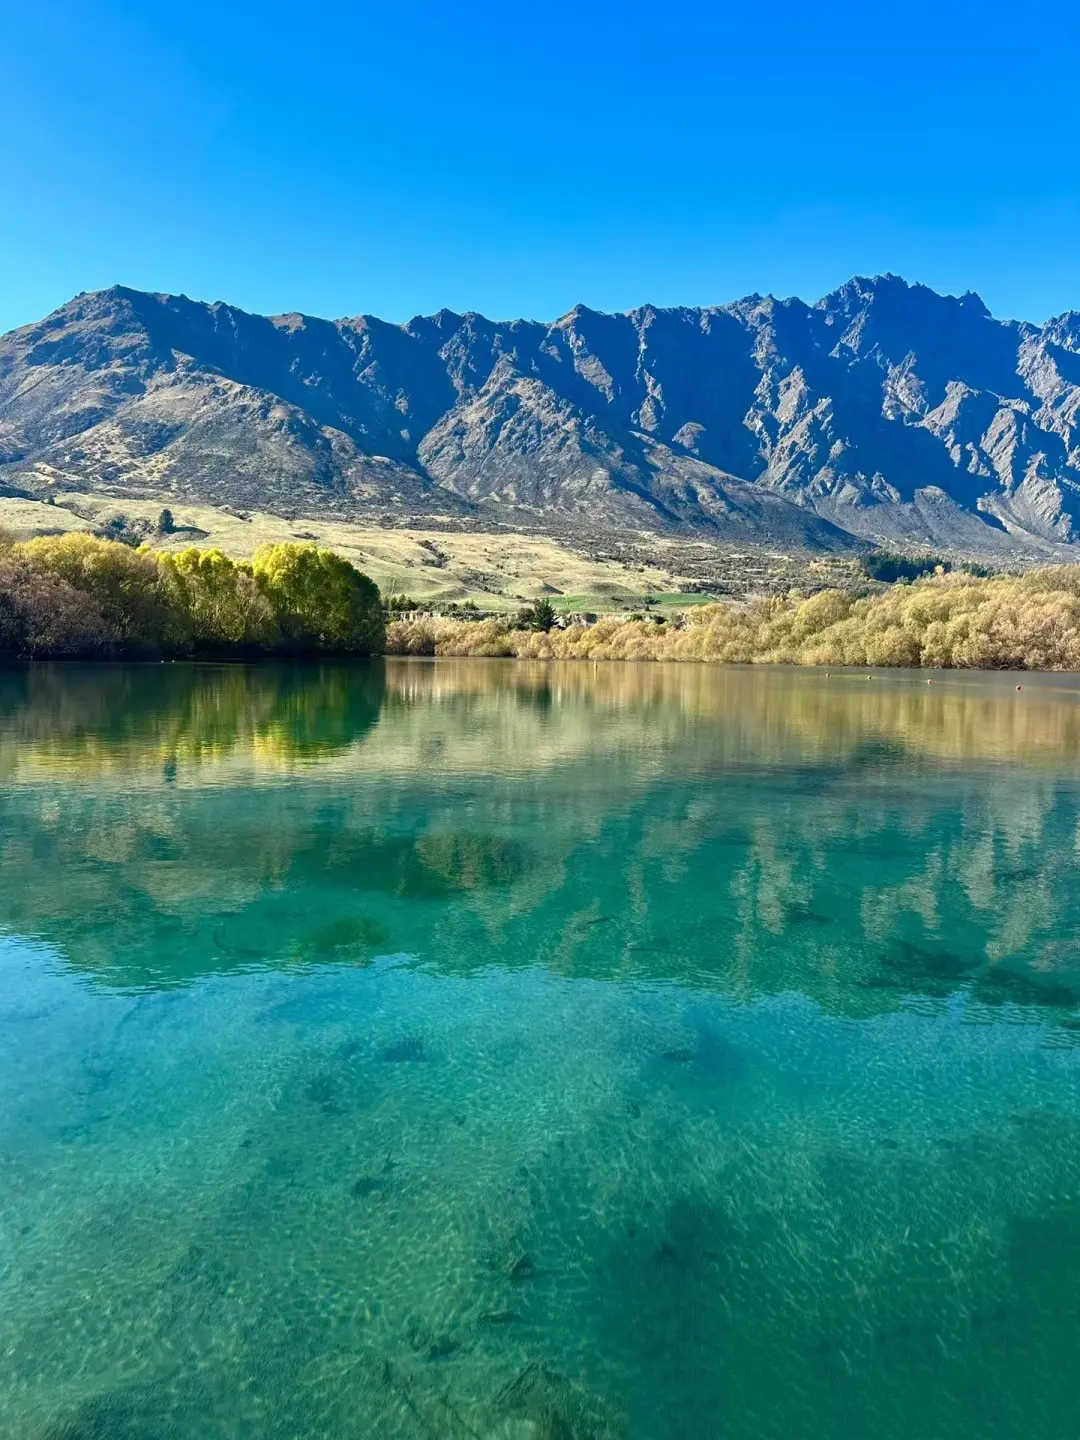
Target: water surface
x=470 y=1049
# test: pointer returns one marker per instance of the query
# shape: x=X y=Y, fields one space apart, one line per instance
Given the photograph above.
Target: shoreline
x=80 y=598
x=952 y=621
x=925 y=674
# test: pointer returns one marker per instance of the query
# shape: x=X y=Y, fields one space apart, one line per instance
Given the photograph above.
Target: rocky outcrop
x=885 y=411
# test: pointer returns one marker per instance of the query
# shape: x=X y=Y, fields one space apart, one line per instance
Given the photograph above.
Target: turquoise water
x=468 y=1049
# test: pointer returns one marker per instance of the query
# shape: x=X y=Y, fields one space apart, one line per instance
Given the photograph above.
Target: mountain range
x=885 y=412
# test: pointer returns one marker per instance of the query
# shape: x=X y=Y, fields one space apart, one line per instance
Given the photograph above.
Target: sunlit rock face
x=884 y=411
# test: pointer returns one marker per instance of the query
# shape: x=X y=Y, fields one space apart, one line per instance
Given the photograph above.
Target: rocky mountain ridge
x=885 y=411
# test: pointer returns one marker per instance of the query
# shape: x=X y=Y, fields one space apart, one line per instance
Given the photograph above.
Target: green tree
x=166 y=524
x=884 y=565
x=223 y=601
x=320 y=600
x=540 y=616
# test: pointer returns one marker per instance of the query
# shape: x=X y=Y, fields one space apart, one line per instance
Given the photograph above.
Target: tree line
x=79 y=596
x=957 y=620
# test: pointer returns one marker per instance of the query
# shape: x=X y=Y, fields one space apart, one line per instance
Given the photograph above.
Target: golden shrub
x=1031 y=622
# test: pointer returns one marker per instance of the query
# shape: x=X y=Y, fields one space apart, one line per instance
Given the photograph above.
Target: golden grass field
x=496 y=571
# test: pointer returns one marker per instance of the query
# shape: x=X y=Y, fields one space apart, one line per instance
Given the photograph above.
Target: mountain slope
x=885 y=411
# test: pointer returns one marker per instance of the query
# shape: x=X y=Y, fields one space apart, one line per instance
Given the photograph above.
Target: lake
x=538 y=1052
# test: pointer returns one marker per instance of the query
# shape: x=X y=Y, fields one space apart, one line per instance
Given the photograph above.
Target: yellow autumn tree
x=127 y=585
x=320 y=601
x=225 y=604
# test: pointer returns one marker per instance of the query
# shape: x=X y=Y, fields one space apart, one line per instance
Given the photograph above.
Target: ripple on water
x=677 y=1072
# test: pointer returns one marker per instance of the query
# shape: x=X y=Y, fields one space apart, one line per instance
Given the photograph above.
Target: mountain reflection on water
x=744 y=831
x=485 y=1051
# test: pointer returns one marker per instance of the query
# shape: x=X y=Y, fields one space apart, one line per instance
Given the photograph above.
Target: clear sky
x=520 y=157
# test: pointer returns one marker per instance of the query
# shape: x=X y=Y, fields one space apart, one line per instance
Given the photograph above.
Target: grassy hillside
x=496 y=570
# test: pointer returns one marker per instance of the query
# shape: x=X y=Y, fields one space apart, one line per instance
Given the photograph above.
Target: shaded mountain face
x=885 y=411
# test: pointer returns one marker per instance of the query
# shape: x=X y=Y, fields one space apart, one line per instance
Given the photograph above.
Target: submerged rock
x=539 y=1404
x=404 y=1051
x=351 y=1393
x=522 y=1268
x=365 y=1186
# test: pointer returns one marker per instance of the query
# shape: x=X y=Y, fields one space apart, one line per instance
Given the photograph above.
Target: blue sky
x=518 y=158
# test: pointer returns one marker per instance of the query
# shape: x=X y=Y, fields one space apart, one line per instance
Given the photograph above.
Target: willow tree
x=127 y=585
x=321 y=601
x=226 y=604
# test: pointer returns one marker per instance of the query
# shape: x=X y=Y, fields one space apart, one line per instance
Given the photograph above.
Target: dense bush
x=396 y=604
x=42 y=614
x=955 y=620
x=884 y=565
x=320 y=601
x=125 y=584
x=76 y=595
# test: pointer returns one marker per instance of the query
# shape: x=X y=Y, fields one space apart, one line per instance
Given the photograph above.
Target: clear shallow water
x=469 y=1049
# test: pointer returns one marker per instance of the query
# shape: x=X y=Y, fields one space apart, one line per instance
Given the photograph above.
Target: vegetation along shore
x=80 y=596
x=957 y=620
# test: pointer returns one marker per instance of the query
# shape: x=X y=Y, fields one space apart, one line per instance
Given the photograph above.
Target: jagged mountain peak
x=443 y=320
x=1064 y=330
x=863 y=288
